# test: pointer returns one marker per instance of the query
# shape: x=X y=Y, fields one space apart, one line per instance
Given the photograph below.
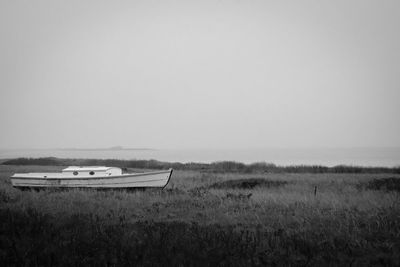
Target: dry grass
x=278 y=221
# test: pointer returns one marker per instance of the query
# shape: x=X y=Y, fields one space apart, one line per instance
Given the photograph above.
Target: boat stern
x=169 y=177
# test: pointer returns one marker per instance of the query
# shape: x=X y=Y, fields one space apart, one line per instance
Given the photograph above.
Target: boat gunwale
x=87 y=185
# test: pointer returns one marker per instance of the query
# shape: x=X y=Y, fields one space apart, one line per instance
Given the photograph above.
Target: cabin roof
x=86 y=168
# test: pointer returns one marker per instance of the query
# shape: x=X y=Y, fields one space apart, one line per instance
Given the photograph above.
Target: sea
x=376 y=157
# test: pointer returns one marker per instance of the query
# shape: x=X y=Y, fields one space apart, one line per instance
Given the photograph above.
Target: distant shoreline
x=219 y=166
x=378 y=157
x=118 y=148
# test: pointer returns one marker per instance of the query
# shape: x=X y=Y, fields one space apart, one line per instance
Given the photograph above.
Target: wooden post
x=315 y=190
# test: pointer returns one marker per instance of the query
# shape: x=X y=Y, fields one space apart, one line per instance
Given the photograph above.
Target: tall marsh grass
x=206 y=219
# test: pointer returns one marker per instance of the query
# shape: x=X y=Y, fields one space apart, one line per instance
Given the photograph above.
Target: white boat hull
x=124 y=181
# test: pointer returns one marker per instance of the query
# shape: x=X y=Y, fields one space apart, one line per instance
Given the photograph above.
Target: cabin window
x=91 y=173
x=75 y=173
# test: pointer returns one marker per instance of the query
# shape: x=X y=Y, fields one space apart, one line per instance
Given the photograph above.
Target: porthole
x=75 y=173
x=91 y=173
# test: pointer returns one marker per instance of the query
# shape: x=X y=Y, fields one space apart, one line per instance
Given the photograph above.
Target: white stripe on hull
x=153 y=179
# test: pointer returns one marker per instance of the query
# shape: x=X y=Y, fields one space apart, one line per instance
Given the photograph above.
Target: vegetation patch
x=239 y=196
x=248 y=184
x=33 y=238
x=386 y=184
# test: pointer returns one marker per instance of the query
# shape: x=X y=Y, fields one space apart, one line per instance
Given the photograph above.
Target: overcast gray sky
x=199 y=74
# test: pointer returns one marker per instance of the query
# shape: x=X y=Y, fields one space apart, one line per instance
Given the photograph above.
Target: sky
x=199 y=74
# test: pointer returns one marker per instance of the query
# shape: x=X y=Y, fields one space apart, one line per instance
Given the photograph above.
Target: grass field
x=206 y=219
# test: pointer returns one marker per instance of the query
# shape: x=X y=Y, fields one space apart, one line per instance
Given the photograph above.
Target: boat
x=96 y=177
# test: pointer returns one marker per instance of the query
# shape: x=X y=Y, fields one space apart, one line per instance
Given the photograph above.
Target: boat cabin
x=91 y=171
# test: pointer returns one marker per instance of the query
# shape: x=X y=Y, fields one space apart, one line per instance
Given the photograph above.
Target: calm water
x=329 y=157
